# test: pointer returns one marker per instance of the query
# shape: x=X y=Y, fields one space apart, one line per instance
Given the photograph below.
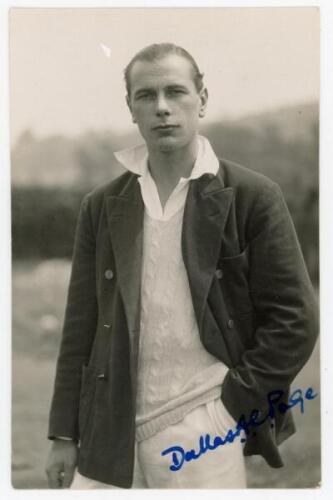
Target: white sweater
x=175 y=373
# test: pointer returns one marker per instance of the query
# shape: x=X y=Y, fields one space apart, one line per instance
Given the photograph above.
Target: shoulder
x=95 y=198
x=243 y=178
x=257 y=198
x=114 y=187
x=93 y=203
x=248 y=185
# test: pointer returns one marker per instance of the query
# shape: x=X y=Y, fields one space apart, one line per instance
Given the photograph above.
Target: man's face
x=164 y=102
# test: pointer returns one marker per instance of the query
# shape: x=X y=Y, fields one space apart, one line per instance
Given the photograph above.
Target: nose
x=162 y=106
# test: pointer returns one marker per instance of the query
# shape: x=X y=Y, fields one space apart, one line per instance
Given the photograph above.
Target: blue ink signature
x=180 y=456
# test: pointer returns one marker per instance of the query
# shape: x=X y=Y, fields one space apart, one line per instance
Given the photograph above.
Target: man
x=189 y=304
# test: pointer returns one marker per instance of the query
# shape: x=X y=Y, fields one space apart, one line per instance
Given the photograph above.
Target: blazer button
x=107 y=325
x=230 y=323
x=108 y=274
x=219 y=273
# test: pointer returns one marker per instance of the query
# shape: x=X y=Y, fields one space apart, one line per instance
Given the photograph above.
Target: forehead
x=171 y=69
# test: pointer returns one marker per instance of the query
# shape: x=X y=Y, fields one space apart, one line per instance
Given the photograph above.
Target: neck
x=167 y=167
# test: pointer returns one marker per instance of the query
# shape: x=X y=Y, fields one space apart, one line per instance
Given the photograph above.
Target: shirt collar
x=135 y=159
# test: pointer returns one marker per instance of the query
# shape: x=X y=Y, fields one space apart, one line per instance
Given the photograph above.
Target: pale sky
x=62 y=81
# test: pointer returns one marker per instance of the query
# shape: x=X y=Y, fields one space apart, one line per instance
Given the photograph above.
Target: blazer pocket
x=235 y=281
x=239 y=260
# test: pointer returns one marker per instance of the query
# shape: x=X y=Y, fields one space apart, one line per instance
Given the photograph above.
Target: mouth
x=165 y=126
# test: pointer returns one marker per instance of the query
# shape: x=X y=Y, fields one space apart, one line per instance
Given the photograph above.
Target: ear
x=128 y=102
x=203 y=95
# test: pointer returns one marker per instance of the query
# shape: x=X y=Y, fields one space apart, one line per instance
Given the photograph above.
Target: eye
x=145 y=95
x=176 y=91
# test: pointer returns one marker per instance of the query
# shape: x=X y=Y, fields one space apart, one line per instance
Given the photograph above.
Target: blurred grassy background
x=49 y=177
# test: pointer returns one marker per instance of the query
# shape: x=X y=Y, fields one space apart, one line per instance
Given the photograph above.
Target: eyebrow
x=176 y=86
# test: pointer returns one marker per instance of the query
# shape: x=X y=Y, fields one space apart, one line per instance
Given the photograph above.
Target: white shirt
x=136 y=160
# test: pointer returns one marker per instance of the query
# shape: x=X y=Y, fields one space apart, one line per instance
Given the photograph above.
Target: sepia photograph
x=165 y=248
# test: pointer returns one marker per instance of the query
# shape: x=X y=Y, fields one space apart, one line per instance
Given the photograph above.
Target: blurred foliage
x=43 y=221
x=282 y=144
x=74 y=162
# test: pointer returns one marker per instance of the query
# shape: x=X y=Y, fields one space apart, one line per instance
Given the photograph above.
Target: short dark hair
x=158 y=51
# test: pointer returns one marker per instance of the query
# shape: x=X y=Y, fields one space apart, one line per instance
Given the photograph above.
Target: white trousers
x=222 y=467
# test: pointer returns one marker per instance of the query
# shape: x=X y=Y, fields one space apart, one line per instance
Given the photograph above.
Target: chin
x=168 y=144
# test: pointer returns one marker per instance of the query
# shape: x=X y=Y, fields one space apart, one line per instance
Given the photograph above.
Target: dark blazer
x=252 y=298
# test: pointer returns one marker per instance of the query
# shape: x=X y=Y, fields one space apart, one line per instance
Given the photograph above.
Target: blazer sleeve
x=78 y=330
x=285 y=309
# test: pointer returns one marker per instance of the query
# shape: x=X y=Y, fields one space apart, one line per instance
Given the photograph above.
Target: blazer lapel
x=125 y=222
x=206 y=210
